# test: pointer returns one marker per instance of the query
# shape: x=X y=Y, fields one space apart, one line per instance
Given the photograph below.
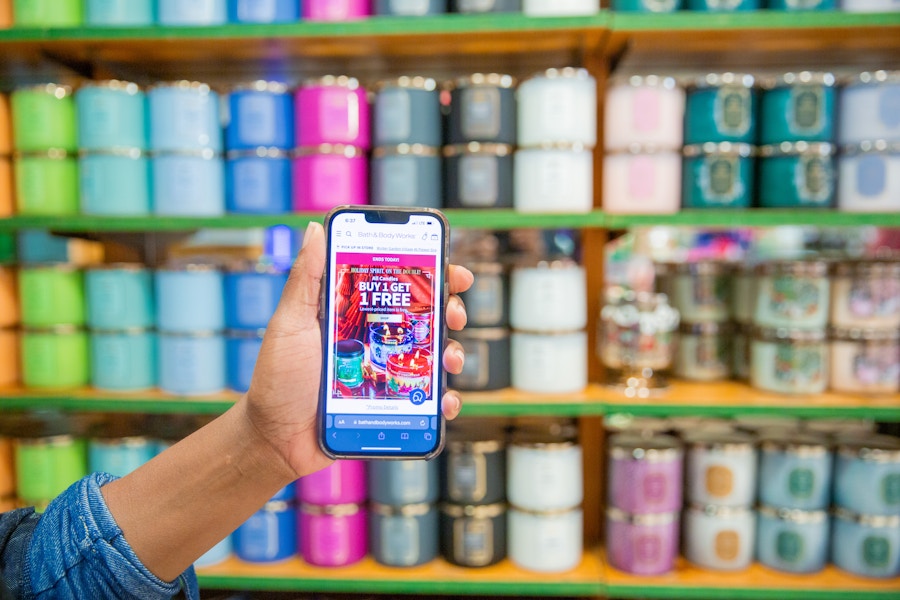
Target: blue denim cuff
x=78 y=551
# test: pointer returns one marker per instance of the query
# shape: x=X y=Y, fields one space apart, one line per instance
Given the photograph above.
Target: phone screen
x=383 y=377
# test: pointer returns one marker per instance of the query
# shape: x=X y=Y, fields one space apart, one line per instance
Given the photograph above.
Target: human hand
x=282 y=402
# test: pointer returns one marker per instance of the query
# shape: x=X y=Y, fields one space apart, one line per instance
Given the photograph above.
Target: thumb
x=299 y=305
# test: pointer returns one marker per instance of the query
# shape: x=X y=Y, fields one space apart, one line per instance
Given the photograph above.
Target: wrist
x=260 y=454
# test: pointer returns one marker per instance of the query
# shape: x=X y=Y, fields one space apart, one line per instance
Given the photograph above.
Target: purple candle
x=333 y=536
x=343 y=482
x=645 y=474
x=641 y=544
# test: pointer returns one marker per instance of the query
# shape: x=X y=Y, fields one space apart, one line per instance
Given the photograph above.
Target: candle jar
x=47 y=13
x=184 y=115
x=644 y=111
x=407 y=110
x=329 y=175
x=487 y=365
x=114 y=182
x=743 y=293
x=867 y=546
x=545 y=542
x=333 y=536
x=801 y=5
x=797 y=175
x=482 y=109
x=867 y=107
x=721 y=469
x=123 y=361
x=793 y=541
x=263 y=11
x=700 y=291
x=866 y=294
x=642 y=181
x=189 y=298
x=349 y=357
x=473 y=470
x=341 y=483
x=46 y=466
x=558 y=106
x=478 y=175
x=550 y=296
x=409 y=375
x=486 y=6
x=792 y=294
x=641 y=544
x=269 y=535
x=558 y=178
x=403 y=536
x=396 y=483
x=867 y=476
x=188 y=184
x=721 y=107
x=636 y=338
x=51 y=295
x=719 y=538
x=192 y=12
x=869 y=177
x=118 y=13
x=549 y=363
x=723 y=5
x=718 y=175
x=543 y=473
x=119 y=456
x=43 y=117
x=797 y=107
x=473 y=536
x=241 y=351
x=386 y=340
x=406 y=176
x=795 y=471
x=192 y=364
x=261 y=116
x=10 y=358
x=251 y=294
x=840 y=429
x=488 y=299
x=332 y=110
x=55 y=358
x=865 y=361
x=704 y=352
x=560 y=8
x=119 y=296
x=331 y=10
x=410 y=8
x=111 y=115
x=789 y=361
x=644 y=474
x=258 y=181
x=46 y=184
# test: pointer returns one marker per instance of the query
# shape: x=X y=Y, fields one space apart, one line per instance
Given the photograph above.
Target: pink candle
x=333 y=536
x=641 y=544
x=343 y=482
x=336 y=10
x=645 y=474
x=332 y=110
x=328 y=176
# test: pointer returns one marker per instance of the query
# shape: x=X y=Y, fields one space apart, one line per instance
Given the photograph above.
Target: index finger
x=460 y=279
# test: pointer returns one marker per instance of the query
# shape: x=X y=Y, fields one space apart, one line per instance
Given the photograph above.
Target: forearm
x=177 y=506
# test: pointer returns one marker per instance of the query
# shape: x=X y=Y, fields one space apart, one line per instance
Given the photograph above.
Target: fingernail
x=461 y=355
x=306 y=234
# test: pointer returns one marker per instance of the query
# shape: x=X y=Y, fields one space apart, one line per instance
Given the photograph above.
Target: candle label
x=468 y=477
x=871 y=176
x=799 y=366
x=478 y=180
x=793 y=298
x=890 y=489
x=889 y=105
x=646 y=110
x=560 y=108
x=789 y=546
x=877 y=365
x=251 y=180
x=484 y=300
x=710 y=291
x=806 y=110
x=481 y=113
x=655 y=488
x=339 y=114
x=801 y=483
x=262 y=11
x=720 y=179
x=732 y=110
x=329 y=540
x=473 y=541
x=711 y=353
x=876 y=551
x=257 y=124
x=400 y=540
x=647 y=549
x=727 y=545
x=719 y=481
x=393 y=115
x=875 y=297
x=641 y=177
x=814 y=178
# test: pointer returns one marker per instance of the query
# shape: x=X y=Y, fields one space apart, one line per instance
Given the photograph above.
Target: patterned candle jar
x=865 y=361
x=797 y=175
x=866 y=294
x=263 y=11
x=333 y=536
x=336 y=10
x=123 y=361
x=332 y=110
x=794 y=541
x=795 y=471
x=269 y=535
x=721 y=107
x=349 y=356
x=644 y=474
x=184 y=115
x=409 y=375
x=407 y=110
x=558 y=105
x=869 y=177
x=868 y=546
x=329 y=175
x=343 y=482
x=261 y=115
x=704 y=352
x=718 y=175
x=482 y=109
x=403 y=536
x=192 y=364
x=868 y=108
x=241 y=351
x=719 y=538
x=55 y=358
x=386 y=340
x=473 y=536
x=543 y=472
x=115 y=182
x=44 y=117
x=401 y=482
x=792 y=294
x=111 y=114
x=46 y=183
x=545 y=542
x=642 y=544
x=699 y=290
x=867 y=475
x=119 y=456
x=119 y=296
x=789 y=361
x=644 y=110
x=118 y=13
x=798 y=107
x=721 y=469
x=478 y=175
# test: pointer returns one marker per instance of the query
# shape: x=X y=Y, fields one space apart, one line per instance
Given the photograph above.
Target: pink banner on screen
x=386 y=259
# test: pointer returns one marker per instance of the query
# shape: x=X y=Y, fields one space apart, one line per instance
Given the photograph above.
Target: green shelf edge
x=744 y=593
x=755 y=217
x=758 y=19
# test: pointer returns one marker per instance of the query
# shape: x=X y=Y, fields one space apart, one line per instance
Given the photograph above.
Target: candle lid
x=753 y=423
x=332 y=510
x=481 y=148
x=866 y=335
x=796 y=149
x=64 y=439
x=343 y=81
x=794 y=515
x=794 y=268
x=871 y=147
x=261 y=152
x=63 y=267
x=193 y=267
x=337 y=149
x=645 y=427
x=840 y=426
x=563 y=73
x=720 y=149
x=487 y=511
x=637 y=149
x=261 y=85
x=276 y=506
x=406 y=510
x=798 y=78
x=117 y=85
x=406 y=150
x=734 y=442
x=724 y=79
x=245 y=334
x=657 y=448
x=794 y=443
x=54 y=89
x=53 y=330
x=868 y=268
x=415 y=82
x=706 y=328
x=873 y=448
x=482 y=79
x=663 y=81
x=876 y=521
x=875 y=77
x=782 y=334
x=204 y=153
x=485 y=267
x=50 y=153
x=128 y=331
x=131 y=441
x=193 y=86
x=122 y=151
x=543 y=439
x=725 y=512
x=190 y=334
x=648 y=520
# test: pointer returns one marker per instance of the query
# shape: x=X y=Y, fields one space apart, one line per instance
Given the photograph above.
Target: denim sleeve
x=78 y=551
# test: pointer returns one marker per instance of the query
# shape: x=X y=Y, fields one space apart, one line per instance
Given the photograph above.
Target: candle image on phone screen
x=383 y=379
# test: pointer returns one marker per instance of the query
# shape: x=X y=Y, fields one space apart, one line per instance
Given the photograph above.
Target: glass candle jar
x=44 y=117
x=642 y=180
x=396 y=483
x=115 y=182
x=343 y=482
x=473 y=470
x=865 y=361
x=486 y=6
x=189 y=298
x=409 y=375
x=482 y=109
x=797 y=175
x=111 y=115
x=721 y=107
x=867 y=476
x=269 y=535
x=386 y=340
x=795 y=471
x=792 y=294
x=329 y=175
x=721 y=469
x=123 y=361
x=406 y=175
x=119 y=296
x=718 y=175
x=473 y=536
x=329 y=10
x=867 y=107
x=545 y=542
x=867 y=546
x=558 y=106
x=869 y=177
x=641 y=544
x=553 y=179
x=866 y=294
x=258 y=181
x=407 y=110
x=550 y=296
x=487 y=300
x=557 y=8
x=332 y=110
x=119 y=456
x=56 y=358
x=793 y=541
x=550 y=363
x=644 y=110
x=644 y=474
x=46 y=183
x=478 y=175
x=719 y=538
x=798 y=107
x=644 y=6
x=789 y=361
x=192 y=12
x=51 y=295
x=403 y=536
x=118 y=13
x=188 y=183
x=192 y=364
x=333 y=536
x=704 y=352
x=46 y=466
x=184 y=116
x=252 y=292
x=487 y=365
x=700 y=291
x=543 y=472
x=261 y=115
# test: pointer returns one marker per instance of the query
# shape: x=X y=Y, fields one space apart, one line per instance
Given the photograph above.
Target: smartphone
x=383 y=304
